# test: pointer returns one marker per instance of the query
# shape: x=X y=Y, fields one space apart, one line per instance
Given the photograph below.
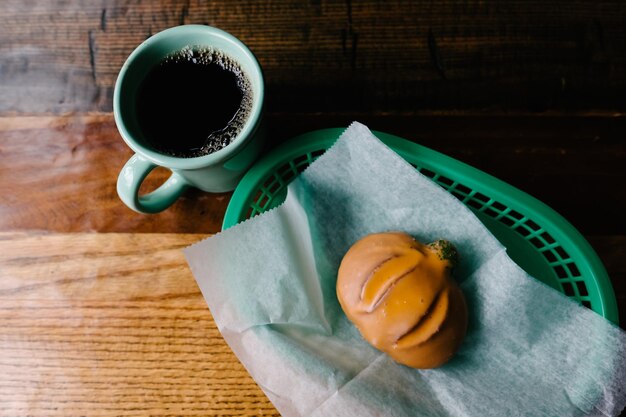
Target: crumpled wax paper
x=270 y=285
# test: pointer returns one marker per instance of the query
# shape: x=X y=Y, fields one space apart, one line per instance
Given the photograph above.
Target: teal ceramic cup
x=216 y=172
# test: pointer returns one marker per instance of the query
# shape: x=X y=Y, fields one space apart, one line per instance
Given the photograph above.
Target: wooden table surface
x=99 y=313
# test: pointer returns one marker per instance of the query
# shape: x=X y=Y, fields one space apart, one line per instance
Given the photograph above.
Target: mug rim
x=173 y=162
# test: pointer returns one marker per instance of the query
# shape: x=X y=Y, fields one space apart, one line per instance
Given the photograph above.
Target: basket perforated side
x=564 y=267
x=573 y=276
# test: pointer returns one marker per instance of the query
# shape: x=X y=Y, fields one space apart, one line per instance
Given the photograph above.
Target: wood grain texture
x=112 y=324
x=63 y=172
x=99 y=314
x=58 y=56
x=612 y=252
x=59 y=173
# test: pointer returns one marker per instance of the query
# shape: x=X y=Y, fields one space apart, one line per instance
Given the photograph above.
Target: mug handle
x=132 y=175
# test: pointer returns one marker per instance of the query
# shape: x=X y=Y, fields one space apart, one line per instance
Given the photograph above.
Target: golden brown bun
x=400 y=295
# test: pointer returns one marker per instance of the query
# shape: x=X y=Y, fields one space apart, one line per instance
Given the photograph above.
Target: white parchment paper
x=270 y=285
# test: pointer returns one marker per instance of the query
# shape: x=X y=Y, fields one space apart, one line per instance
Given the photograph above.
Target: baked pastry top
x=401 y=296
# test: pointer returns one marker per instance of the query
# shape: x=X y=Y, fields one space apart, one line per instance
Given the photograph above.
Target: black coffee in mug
x=193 y=103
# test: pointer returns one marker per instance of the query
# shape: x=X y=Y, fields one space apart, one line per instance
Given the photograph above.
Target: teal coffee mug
x=219 y=171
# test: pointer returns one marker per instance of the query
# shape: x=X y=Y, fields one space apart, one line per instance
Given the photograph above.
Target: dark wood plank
x=612 y=252
x=58 y=56
x=59 y=173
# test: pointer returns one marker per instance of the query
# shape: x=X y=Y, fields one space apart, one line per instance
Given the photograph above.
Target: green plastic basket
x=537 y=238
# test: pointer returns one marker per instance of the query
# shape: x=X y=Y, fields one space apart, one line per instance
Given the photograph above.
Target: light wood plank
x=112 y=324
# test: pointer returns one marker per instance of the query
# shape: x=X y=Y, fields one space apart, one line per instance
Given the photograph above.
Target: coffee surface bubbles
x=193 y=103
